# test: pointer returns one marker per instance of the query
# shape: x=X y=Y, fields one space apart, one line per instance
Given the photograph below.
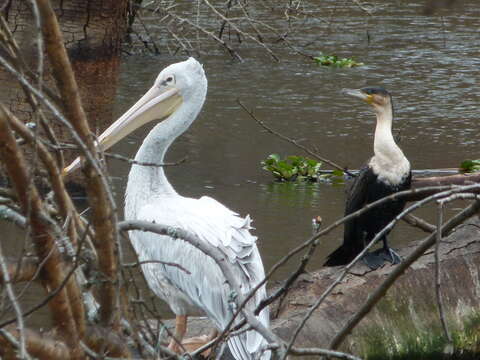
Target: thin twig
x=16 y=306
x=398 y=271
x=166 y=263
x=372 y=242
x=292 y=141
x=141 y=163
x=438 y=278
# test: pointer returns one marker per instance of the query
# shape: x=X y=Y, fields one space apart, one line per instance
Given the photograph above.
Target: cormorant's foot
x=388 y=254
x=373 y=260
x=394 y=257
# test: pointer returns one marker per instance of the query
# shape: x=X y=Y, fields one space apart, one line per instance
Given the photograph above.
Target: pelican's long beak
x=358 y=93
x=156 y=104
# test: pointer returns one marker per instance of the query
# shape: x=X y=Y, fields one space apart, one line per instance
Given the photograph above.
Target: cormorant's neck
x=384 y=144
x=389 y=162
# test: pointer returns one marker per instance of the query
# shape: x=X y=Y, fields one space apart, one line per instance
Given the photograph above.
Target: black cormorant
x=387 y=172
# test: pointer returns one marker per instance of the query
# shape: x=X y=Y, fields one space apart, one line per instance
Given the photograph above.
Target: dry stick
x=100 y=198
x=9 y=214
x=232 y=52
x=438 y=278
x=399 y=270
x=53 y=293
x=439 y=298
x=169 y=333
x=66 y=206
x=166 y=263
x=41 y=230
x=20 y=63
x=141 y=163
x=16 y=306
x=283 y=37
x=250 y=20
x=291 y=141
x=64 y=201
x=295 y=351
x=419 y=223
x=22 y=271
x=272 y=54
x=215 y=254
x=38 y=345
x=374 y=240
x=283 y=290
x=57 y=114
x=225 y=22
x=13 y=342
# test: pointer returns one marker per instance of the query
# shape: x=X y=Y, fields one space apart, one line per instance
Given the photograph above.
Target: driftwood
x=412 y=297
x=458 y=179
x=410 y=304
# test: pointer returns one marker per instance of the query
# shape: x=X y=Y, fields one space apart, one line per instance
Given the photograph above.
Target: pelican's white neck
x=146 y=183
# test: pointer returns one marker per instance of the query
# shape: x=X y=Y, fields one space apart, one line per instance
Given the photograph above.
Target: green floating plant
x=335 y=61
x=470 y=166
x=296 y=168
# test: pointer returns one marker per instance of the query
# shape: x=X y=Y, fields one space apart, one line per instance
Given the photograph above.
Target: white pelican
x=175 y=100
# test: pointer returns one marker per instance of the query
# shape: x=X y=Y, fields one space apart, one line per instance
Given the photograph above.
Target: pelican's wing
x=214 y=223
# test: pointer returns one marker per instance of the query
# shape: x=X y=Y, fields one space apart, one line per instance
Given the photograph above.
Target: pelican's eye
x=170 y=80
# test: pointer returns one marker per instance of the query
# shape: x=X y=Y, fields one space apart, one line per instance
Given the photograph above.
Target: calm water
x=430 y=65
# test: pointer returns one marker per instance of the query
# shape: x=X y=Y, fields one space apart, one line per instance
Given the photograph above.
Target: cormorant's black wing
x=357 y=198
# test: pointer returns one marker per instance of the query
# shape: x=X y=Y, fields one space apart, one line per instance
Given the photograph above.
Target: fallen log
x=408 y=313
x=405 y=318
x=458 y=179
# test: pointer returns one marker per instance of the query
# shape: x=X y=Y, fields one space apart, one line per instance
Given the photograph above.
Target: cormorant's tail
x=341 y=256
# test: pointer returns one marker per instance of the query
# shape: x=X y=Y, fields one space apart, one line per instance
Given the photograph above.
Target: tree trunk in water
x=93 y=32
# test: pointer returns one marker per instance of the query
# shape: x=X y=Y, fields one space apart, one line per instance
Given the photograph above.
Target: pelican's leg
x=196 y=342
x=180 y=330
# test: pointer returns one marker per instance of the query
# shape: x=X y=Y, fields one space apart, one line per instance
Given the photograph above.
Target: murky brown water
x=430 y=65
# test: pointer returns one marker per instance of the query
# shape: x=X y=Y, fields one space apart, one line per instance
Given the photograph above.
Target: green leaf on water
x=297 y=168
x=335 y=61
x=470 y=166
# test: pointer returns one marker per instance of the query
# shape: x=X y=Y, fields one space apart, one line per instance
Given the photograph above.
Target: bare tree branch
x=38 y=346
x=399 y=270
x=292 y=141
x=41 y=230
x=101 y=200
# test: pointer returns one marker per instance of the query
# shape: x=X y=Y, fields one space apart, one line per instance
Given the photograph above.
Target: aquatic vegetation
x=335 y=61
x=296 y=168
x=470 y=166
